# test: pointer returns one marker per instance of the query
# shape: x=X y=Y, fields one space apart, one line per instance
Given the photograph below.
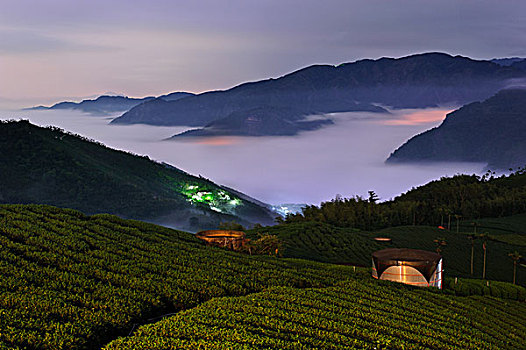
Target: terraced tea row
x=358 y=314
x=324 y=242
x=327 y=243
x=71 y=281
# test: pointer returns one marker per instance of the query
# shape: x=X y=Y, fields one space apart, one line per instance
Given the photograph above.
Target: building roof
x=422 y=260
x=221 y=234
x=406 y=254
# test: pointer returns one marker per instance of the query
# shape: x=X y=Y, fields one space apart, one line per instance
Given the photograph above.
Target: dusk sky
x=57 y=49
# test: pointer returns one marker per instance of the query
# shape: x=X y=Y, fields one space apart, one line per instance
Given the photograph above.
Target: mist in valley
x=346 y=158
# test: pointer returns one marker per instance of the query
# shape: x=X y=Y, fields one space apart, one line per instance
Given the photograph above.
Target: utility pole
x=515 y=256
x=514 y=270
x=485 y=238
x=472 y=239
x=458 y=221
x=484 y=267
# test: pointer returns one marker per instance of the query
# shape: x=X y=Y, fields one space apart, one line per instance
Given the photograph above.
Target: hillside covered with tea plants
x=71 y=281
x=463 y=212
x=327 y=243
x=357 y=314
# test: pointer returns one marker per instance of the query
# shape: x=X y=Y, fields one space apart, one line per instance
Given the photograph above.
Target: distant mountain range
x=520 y=64
x=263 y=121
x=48 y=166
x=110 y=104
x=423 y=80
x=516 y=62
x=492 y=132
x=283 y=106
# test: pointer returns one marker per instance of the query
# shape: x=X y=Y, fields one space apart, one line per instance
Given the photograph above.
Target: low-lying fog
x=346 y=158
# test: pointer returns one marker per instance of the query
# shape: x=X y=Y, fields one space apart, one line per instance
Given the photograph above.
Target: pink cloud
x=419 y=117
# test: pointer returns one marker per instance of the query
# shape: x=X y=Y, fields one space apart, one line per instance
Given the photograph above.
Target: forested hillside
x=50 y=166
x=461 y=196
x=258 y=122
x=491 y=131
x=463 y=212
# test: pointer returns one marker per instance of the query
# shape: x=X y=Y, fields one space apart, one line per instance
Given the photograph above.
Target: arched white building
x=410 y=266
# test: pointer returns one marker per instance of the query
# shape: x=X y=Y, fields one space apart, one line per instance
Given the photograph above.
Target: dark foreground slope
x=70 y=281
x=359 y=314
x=48 y=166
x=492 y=132
x=410 y=82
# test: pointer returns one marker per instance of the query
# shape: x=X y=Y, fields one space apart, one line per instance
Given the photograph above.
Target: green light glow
x=234 y=202
x=217 y=200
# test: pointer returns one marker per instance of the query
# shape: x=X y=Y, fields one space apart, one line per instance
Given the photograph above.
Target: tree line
x=436 y=203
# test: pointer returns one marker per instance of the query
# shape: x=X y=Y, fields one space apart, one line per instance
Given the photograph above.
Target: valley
x=247 y=216
x=346 y=158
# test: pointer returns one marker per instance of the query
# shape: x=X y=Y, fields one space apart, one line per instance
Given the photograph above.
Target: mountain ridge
x=500 y=124
x=258 y=122
x=108 y=104
x=417 y=81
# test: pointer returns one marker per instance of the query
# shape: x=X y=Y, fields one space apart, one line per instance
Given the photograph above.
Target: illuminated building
x=410 y=266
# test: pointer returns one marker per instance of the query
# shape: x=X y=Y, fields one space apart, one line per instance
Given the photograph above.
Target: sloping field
x=358 y=314
x=508 y=229
x=497 y=226
x=327 y=243
x=457 y=252
x=323 y=242
x=70 y=281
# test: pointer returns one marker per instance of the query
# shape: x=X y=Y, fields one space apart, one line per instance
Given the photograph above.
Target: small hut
x=409 y=266
x=229 y=239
